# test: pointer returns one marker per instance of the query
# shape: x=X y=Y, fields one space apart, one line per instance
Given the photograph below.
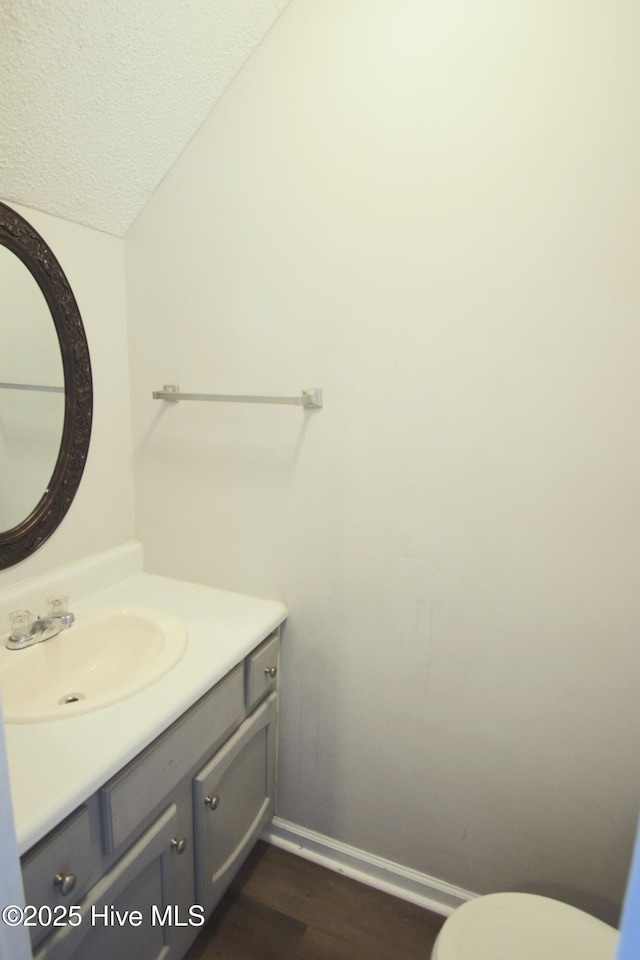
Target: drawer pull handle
x=271 y=671
x=212 y=802
x=179 y=845
x=66 y=882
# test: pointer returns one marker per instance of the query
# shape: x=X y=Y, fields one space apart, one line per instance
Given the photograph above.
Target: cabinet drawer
x=262 y=668
x=130 y=798
x=50 y=868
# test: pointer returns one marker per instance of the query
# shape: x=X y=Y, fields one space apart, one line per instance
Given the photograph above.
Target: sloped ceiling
x=100 y=97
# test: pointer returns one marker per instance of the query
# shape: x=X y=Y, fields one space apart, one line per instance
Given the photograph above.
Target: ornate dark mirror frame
x=17 y=235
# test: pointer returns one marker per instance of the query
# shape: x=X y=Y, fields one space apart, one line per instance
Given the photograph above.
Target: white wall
x=430 y=210
x=101 y=515
x=14 y=941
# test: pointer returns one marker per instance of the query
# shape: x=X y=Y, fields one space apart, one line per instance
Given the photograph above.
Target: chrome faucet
x=25 y=631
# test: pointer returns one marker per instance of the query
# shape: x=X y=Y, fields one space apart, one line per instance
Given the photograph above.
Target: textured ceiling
x=100 y=97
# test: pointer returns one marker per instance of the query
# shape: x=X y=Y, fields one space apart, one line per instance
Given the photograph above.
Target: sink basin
x=107 y=655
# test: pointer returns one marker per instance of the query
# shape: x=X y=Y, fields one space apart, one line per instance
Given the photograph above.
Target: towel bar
x=171 y=393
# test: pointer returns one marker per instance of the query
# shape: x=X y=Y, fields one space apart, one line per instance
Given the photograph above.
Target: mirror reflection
x=32 y=402
x=46 y=391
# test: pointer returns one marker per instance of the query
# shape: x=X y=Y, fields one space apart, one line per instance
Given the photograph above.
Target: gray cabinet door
x=60 y=870
x=142 y=881
x=234 y=796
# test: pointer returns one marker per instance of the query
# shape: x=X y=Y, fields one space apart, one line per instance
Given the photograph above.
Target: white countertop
x=56 y=765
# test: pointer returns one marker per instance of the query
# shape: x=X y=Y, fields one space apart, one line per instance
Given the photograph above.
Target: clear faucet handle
x=21 y=624
x=57 y=606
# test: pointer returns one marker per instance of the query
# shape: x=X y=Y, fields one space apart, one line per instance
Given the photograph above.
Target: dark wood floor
x=282 y=907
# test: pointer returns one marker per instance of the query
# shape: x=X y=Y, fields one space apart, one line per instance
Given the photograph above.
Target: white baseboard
x=399 y=881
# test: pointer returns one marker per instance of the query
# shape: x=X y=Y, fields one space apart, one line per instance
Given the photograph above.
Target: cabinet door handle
x=179 y=845
x=212 y=802
x=66 y=882
x=271 y=671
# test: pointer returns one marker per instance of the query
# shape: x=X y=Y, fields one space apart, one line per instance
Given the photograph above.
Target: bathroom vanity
x=133 y=819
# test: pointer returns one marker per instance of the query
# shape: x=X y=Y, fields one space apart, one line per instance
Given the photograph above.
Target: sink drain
x=71 y=698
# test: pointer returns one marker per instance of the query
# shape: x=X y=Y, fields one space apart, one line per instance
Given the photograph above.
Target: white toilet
x=523 y=926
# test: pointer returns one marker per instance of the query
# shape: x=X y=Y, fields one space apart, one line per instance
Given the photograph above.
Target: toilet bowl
x=523 y=926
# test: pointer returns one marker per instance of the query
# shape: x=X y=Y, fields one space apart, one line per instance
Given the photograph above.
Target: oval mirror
x=46 y=394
